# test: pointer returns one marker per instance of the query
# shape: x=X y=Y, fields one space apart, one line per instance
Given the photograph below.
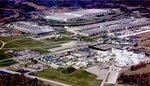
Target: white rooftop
x=63 y=16
x=77 y=14
x=104 y=24
x=32 y=27
x=87 y=11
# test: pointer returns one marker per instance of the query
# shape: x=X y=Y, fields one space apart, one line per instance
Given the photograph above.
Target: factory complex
x=78 y=40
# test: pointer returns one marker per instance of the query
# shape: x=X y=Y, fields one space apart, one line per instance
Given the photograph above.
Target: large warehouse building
x=109 y=27
x=79 y=14
x=31 y=27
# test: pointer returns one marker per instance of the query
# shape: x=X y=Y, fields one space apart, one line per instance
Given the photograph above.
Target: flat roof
x=109 y=23
x=32 y=27
x=62 y=16
x=88 y=11
x=112 y=25
x=78 y=13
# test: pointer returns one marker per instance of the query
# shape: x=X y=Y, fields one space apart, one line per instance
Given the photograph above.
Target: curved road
x=3 y=44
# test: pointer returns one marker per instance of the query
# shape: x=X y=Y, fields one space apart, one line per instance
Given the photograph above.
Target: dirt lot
x=139 y=71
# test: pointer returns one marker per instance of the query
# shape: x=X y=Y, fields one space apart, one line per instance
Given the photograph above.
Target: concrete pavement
x=111 y=75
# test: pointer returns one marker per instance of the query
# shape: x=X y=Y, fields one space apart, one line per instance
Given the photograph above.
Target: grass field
x=59 y=40
x=0 y=44
x=20 y=43
x=6 y=39
x=24 y=43
x=3 y=56
x=77 y=78
x=41 y=50
x=7 y=62
x=88 y=39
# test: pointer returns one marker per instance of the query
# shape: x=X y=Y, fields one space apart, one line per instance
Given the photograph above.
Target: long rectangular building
x=99 y=25
x=31 y=27
x=79 y=14
x=109 y=27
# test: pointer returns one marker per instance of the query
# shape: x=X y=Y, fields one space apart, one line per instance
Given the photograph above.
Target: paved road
x=104 y=80
x=126 y=35
x=3 y=44
x=111 y=75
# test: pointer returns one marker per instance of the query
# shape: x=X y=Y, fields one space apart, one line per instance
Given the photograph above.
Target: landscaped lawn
x=24 y=43
x=88 y=39
x=6 y=39
x=0 y=44
x=59 y=40
x=3 y=55
x=41 y=50
x=27 y=43
x=77 y=78
x=7 y=62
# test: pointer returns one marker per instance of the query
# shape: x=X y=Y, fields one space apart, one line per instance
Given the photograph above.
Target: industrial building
x=31 y=28
x=79 y=14
x=109 y=27
x=122 y=57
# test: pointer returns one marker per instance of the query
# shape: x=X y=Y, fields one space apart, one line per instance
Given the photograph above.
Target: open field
x=0 y=44
x=20 y=43
x=6 y=39
x=7 y=62
x=43 y=51
x=60 y=40
x=77 y=78
x=3 y=56
x=24 y=43
x=88 y=39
